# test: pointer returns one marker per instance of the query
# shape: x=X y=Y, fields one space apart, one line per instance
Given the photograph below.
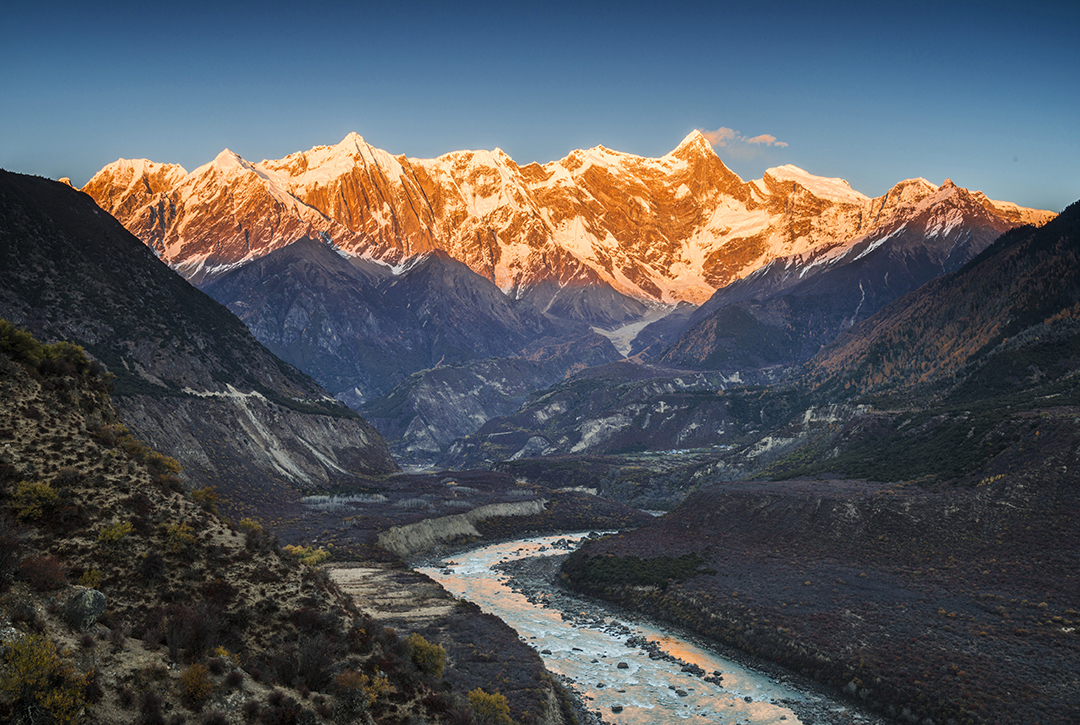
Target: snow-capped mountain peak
x=666 y=229
x=833 y=189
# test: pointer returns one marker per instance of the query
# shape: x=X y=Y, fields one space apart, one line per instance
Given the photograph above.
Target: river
x=624 y=671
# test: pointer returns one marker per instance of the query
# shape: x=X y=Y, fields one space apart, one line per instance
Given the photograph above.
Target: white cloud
x=728 y=138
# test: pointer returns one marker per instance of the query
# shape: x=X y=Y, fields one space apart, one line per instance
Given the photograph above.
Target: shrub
x=429 y=658
x=281 y=709
x=162 y=464
x=234 y=679
x=150 y=709
x=117 y=637
x=250 y=525
x=180 y=538
x=191 y=629
x=251 y=710
x=34 y=499
x=36 y=680
x=315 y=660
x=219 y=591
x=91 y=578
x=10 y=555
x=43 y=573
x=152 y=566
x=256 y=538
x=195 y=686
x=93 y=689
x=19 y=344
x=308 y=555
x=24 y=612
x=355 y=693
x=111 y=535
x=207 y=498
x=490 y=709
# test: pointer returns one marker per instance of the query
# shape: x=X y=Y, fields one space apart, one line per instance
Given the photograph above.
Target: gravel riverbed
x=745 y=691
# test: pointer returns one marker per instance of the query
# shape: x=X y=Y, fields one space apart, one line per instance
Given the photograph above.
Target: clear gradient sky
x=987 y=94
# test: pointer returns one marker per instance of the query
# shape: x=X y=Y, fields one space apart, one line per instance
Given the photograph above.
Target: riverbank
x=537 y=579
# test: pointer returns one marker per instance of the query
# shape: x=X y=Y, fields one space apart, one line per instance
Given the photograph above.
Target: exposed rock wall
x=412 y=539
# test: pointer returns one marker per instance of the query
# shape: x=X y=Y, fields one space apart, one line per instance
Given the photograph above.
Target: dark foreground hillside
x=125 y=598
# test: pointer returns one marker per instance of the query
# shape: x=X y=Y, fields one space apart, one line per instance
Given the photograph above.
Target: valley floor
x=930 y=605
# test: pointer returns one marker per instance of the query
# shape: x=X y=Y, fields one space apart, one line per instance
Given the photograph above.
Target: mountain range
x=665 y=230
x=362 y=268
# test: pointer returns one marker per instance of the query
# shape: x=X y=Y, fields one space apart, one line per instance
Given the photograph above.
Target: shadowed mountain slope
x=190 y=379
x=786 y=311
x=1007 y=321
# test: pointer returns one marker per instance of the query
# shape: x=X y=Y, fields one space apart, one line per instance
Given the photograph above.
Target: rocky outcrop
x=83 y=608
x=424 y=536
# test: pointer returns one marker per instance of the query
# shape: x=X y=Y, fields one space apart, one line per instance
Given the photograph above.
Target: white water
x=649 y=691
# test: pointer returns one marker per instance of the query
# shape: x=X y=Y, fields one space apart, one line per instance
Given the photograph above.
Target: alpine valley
x=854 y=423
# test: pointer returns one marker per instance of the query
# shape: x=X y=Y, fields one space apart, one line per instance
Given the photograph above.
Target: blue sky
x=986 y=94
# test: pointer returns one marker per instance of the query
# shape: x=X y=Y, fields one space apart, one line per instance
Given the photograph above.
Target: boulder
x=83 y=608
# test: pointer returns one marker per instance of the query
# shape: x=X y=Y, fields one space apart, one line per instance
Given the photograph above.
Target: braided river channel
x=624 y=671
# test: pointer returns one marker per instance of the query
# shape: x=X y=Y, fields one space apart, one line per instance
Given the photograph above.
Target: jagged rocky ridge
x=190 y=379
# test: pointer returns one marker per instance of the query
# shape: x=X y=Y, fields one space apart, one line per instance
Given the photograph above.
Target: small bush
x=91 y=578
x=150 y=709
x=10 y=555
x=37 y=681
x=251 y=710
x=180 y=538
x=195 y=686
x=490 y=709
x=34 y=499
x=250 y=525
x=192 y=630
x=219 y=591
x=161 y=464
x=111 y=535
x=43 y=573
x=206 y=497
x=24 y=612
x=93 y=689
x=355 y=693
x=117 y=637
x=152 y=566
x=429 y=658
x=234 y=679
x=308 y=555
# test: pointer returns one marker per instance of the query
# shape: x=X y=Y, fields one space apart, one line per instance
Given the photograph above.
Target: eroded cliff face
x=412 y=539
x=235 y=439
